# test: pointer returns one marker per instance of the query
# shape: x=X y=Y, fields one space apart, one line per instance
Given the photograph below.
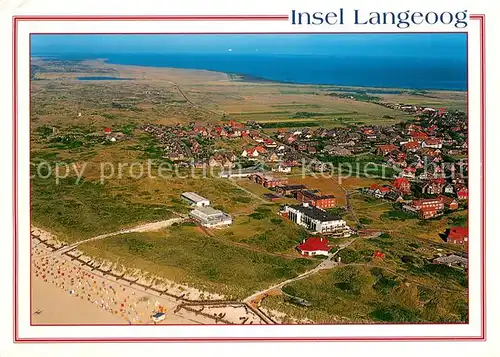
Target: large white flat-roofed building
x=195 y=200
x=211 y=218
x=317 y=220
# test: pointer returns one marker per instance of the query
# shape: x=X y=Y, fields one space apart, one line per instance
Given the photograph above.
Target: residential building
x=315 y=199
x=211 y=218
x=314 y=246
x=429 y=212
x=458 y=235
x=386 y=149
x=284 y=168
x=287 y=190
x=434 y=187
x=268 y=181
x=402 y=185
x=449 y=202
x=317 y=220
x=195 y=200
x=434 y=203
x=452 y=260
x=240 y=173
x=463 y=193
x=434 y=143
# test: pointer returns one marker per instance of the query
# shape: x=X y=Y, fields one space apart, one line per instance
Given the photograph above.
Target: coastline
x=253 y=79
x=65 y=291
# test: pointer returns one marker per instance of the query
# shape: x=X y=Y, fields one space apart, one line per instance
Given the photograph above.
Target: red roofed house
x=428 y=208
x=251 y=152
x=411 y=146
x=463 y=193
x=418 y=136
x=381 y=191
x=314 y=246
x=435 y=203
x=235 y=124
x=385 y=149
x=270 y=143
x=408 y=172
x=315 y=199
x=449 y=202
x=434 y=187
x=378 y=254
x=260 y=149
x=402 y=185
x=107 y=130
x=458 y=235
x=428 y=212
x=434 y=143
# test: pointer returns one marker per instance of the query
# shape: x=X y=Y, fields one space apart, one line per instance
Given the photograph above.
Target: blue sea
x=412 y=61
x=361 y=70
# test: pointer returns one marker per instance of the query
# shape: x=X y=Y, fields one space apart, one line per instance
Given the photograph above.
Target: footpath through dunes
x=147 y=227
x=328 y=263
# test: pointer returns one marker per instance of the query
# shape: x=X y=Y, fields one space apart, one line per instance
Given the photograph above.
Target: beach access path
x=147 y=227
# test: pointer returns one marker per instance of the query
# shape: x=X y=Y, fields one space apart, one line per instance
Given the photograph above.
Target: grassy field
x=185 y=255
x=369 y=294
x=402 y=287
x=77 y=209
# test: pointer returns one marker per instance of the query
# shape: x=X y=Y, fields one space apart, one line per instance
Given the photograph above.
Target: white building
x=317 y=220
x=195 y=200
x=211 y=218
x=240 y=173
x=284 y=168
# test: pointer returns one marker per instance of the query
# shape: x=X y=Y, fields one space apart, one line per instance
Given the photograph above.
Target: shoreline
x=248 y=78
x=65 y=291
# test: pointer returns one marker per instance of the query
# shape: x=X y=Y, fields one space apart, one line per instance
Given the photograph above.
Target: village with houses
x=427 y=179
x=284 y=222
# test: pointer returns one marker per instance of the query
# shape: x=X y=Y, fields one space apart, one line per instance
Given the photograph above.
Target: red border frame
x=15 y=19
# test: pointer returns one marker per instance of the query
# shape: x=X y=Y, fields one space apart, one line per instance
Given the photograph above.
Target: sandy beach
x=65 y=293
x=66 y=290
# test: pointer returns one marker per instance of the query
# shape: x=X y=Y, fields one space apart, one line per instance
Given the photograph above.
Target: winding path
x=328 y=263
x=147 y=227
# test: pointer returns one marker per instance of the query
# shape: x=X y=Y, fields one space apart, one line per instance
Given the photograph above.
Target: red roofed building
x=260 y=149
x=317 y=200
x=463 y=193
x=411 y=146
x=107 y=130
x=385 y=149
x=235 y=124
x=402 y=185
x=434 y=203
x=429 y=212
x=449 y=202
x=378 y=254
x=434 y=143
x=314 y=246
x=458 y=235
x=418 y=136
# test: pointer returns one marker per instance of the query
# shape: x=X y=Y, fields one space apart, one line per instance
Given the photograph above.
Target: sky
x=404 y=45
